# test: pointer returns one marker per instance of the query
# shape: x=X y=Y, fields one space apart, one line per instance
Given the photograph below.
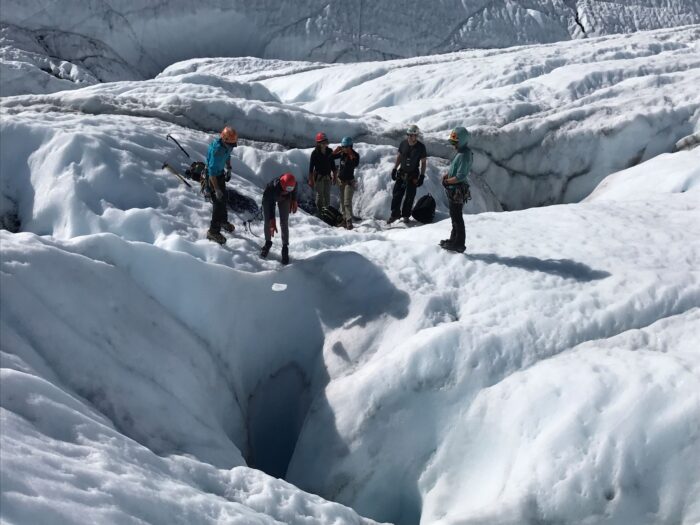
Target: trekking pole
x=170 y=137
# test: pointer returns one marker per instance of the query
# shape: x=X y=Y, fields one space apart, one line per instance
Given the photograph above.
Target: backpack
x=196 y=171
x=424 y=210
x=239 y=203
x=331 y=216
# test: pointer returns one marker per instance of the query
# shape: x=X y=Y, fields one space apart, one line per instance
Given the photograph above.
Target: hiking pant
x=219 y=212
x=283 y=206
x=322 y=186
x=403 y=186
x=347 y=190
x=457 y=235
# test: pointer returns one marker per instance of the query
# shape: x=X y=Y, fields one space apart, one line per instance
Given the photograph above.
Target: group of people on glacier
x=408 y=174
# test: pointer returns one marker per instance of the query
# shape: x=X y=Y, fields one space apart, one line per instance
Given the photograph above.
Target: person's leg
x=347 y=205
x=216 y=211
x=223 y=211
x=455 y=210
x=325 y=191
x=397 y=196
x=348 y=193
x=408 y=199
x=283 y=206
x=460 y=234
x=266 y=225
x=457 y=237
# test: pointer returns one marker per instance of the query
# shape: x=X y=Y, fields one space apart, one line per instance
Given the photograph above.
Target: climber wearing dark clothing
x=281 y=191
x=409 y=173
x=349 y=160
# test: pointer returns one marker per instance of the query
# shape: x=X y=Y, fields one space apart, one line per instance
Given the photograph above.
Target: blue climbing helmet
x=347 y=141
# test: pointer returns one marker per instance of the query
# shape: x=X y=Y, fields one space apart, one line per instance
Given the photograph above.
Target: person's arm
x=268 y=201
x=293 y=203
x=211 y=160
x=354 y=158
x=423 y=165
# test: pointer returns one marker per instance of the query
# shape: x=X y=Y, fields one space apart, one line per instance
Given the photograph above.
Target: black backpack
x=424 y=210
x=196 y=171
x=331 y=216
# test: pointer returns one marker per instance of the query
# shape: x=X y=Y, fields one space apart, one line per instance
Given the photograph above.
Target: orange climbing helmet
x=229 y=135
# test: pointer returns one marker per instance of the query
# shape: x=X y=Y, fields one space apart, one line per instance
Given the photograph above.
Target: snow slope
x=549 y=375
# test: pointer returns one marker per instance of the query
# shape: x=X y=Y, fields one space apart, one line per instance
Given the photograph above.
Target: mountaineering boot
x=265 y=249
x=216 y=237
x=406 y=220
x=285 y=254
x=445 y=242
x=454 y=248
x=393 y=218
x=228 y=227
x=348 y=224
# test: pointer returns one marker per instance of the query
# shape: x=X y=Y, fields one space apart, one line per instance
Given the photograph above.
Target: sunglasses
x=412 y=134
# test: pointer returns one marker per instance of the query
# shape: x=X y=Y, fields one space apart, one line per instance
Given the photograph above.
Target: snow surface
x=127 y=39
x=549 y=375
x=548 y=122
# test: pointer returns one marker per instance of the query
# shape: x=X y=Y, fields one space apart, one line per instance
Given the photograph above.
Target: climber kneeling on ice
x=217 y=173
x=283 y=192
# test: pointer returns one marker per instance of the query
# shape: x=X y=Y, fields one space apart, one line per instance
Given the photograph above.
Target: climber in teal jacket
x=457 y=188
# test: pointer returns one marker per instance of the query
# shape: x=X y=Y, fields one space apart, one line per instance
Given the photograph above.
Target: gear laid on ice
x=216 y=237
x=172 y=170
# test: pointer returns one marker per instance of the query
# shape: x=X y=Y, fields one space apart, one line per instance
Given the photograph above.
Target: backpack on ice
x=424 y=210
x=331 y=216
x=196 y=171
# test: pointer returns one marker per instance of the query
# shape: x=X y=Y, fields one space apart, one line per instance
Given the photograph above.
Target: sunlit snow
x=551 y=374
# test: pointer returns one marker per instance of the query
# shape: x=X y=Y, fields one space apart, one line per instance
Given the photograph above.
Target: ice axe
x=172 y=170
x=170 y=137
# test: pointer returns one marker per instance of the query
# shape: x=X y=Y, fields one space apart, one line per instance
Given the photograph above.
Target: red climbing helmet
x=288 y=182
x=321 y=137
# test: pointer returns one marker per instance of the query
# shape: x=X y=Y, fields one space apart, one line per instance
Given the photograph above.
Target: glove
x=444 y=180
x=414 y=181
x=273 y=227
x=311 y=182
x=337 y=150
x=421 y=179
x=394 y=174
x=227 y=175
x=219 y=194
x=293 y=206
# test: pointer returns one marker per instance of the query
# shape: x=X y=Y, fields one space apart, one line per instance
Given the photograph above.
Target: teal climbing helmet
x=347 y=141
